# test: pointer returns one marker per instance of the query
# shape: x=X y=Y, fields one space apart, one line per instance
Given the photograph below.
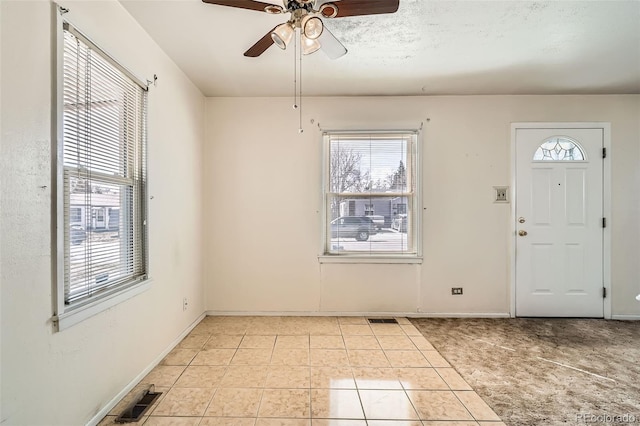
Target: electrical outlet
x=456 y=291
x=184 y=304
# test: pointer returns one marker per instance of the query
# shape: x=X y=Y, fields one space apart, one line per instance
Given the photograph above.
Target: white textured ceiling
x=428 y=47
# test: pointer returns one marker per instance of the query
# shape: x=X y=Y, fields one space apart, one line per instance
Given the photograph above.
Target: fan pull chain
x=295 y=73
x=300 y=94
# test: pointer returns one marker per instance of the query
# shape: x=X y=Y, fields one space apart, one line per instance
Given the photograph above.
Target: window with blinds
x=103 y=173
x=370 y=193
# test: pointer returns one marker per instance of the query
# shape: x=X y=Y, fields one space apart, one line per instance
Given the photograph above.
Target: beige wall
x=66 y=378
x=262 y=203
x=252 y=198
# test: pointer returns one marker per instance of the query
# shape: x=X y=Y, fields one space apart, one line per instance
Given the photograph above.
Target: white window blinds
x=370 y=193
x=104 y=173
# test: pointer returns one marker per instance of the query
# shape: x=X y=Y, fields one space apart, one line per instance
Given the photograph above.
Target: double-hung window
x=371 y=195
x=101 y=188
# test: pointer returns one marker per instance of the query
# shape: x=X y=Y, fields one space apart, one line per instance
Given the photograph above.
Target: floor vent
x=382 y=321
x=135 y=411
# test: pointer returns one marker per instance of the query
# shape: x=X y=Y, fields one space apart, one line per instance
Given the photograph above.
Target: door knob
x=522 y=233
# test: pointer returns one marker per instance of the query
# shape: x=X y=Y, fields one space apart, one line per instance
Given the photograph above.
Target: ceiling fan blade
x=365 y=7
x=261 y=45
x=243 y=4
x=331 y=45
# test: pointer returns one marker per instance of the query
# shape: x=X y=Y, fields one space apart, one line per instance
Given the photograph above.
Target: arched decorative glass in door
x=559 y=148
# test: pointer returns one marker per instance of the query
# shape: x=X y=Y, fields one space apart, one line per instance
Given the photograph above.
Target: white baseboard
x=462 y=315
x=302 y=314
x=114 y=401
x=359 y=314
x=626 y=317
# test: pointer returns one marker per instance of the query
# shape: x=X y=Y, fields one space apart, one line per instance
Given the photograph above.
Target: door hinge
x=604 y=152
x=604 y=222
x=604 y=292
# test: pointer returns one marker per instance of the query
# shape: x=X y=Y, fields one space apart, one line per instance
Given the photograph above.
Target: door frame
x=606 y=200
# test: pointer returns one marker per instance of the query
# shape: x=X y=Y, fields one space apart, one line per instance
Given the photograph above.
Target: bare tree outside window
x=345 y=175
x=398 y=180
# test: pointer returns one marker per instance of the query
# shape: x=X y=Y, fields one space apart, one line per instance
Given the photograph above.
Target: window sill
x=78 y=314
x=369 y=259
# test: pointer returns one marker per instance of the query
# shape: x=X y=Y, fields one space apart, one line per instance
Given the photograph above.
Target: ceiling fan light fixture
x=312 y=27
x=282 y=35
x=329 y=10
x=309 y=45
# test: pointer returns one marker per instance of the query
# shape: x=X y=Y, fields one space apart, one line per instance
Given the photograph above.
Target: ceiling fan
x=306 y=15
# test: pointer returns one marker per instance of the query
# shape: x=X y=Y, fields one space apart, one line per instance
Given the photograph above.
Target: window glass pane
x=363 y=165
x=559 y=149
x=384 y=232
x=101 y=251
x=370 y=191
x=104 y=174
x=99 y=117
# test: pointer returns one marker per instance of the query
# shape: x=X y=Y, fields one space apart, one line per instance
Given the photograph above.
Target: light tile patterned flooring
x=308 y=371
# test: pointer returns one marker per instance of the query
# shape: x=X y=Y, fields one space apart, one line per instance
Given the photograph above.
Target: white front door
x=559 y=222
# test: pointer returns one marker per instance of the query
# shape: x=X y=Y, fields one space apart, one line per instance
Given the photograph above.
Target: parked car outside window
x=358 y=227
x=377 y=220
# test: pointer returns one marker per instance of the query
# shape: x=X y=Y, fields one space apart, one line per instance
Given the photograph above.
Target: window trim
x=364 y=258
x=66 y=316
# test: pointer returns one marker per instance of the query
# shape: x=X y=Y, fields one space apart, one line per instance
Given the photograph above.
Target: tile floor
x=308 y=371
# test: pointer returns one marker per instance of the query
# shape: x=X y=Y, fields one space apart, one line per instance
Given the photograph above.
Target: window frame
x=325 y=255
x=67 y=315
